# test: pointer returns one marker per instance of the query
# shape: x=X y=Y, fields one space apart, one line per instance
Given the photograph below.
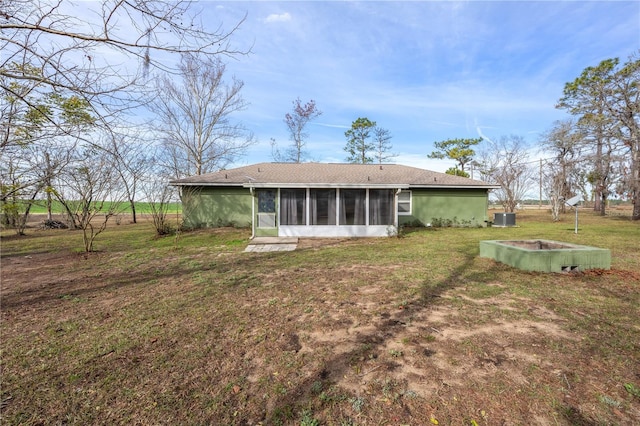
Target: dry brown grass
x=412 y=330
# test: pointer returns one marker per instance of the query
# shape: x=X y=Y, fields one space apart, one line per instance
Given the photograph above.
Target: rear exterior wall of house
x=207 y=207
x=231 y=206
x=442 y=207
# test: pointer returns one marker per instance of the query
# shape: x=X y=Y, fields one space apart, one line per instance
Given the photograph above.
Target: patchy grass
x=413 y=330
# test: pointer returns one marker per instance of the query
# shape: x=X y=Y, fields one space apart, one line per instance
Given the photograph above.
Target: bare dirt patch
x=339 y=332
x=40 y=277
x=414 y=346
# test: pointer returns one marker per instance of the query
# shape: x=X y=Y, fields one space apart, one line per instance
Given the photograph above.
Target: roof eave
x=333 y=185
x=178 y=183
x=326 y=185
x=454 y=186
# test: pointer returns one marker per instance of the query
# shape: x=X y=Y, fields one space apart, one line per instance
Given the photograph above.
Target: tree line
x=72 y=132
x=69 y=117
x=594 y=154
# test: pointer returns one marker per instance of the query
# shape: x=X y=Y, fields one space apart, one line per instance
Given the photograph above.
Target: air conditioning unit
x=504 y=219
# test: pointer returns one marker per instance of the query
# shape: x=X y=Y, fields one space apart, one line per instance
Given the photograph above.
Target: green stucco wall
x=216 y=206
x=463 y=207
x=222 y=206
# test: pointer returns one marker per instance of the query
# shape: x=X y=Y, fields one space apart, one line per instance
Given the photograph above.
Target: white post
x=253 y=213
x=395 y=210
x=573 y=202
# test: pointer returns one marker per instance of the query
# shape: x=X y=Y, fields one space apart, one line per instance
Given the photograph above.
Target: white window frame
x=268 y=219
x=410 y=201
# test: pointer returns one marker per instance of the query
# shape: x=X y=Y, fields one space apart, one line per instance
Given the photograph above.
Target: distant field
x=39 y=207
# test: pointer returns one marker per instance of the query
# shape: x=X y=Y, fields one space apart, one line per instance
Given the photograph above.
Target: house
x=331 y=200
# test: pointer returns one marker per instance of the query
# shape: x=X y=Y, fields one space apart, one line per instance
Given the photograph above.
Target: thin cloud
x=278 y=17
x=479 y=130
x=427 y=71
x=335 y=126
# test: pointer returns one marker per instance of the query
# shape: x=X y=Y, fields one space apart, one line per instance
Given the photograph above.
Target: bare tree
x=93 y=186
x=554 y=185
x=28 y=136
x=101 y=57
x=32 y=149
x=195 y=118
x=131 y=161
x=159 y=195
x=381 y=140
x=18 y=190
x=565 y=143
x=505 y=163
x=26 y=174
x=296 y=122
x=47 y=161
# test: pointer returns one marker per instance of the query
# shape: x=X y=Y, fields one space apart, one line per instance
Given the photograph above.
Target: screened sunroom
x=330 y=212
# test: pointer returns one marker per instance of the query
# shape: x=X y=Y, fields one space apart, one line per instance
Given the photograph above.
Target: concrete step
x=273 y=240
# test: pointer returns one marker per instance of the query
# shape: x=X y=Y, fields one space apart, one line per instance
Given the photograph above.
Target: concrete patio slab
x=268 y=244
x=262 y=248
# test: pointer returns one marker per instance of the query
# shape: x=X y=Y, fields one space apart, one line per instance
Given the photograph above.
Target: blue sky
x=427 y=71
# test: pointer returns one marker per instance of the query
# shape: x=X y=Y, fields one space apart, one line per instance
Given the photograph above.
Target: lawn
x=417 y=330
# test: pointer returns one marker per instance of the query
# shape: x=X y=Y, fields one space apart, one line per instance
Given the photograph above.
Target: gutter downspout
x=253 y=213
x=395 y=211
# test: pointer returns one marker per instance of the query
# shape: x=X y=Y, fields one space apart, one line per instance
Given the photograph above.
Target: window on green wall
x=266 y=208
x=404 y=203
x=266 y=201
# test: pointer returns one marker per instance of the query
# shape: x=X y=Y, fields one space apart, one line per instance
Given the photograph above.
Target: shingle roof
x=329 y=174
